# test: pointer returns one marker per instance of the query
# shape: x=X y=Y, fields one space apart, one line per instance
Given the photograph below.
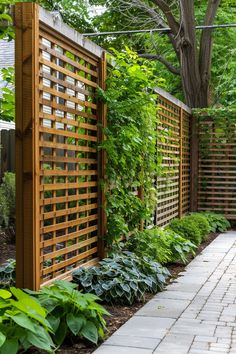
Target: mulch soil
x=119 y=314
x=7 y=250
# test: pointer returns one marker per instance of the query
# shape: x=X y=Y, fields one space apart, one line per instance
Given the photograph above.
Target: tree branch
x=162 y=60
x=165 y=8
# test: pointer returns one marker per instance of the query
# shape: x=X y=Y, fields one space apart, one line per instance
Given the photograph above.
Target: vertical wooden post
x=181 y=163
x=102 y=162
x=27 y=150
x=194 y=158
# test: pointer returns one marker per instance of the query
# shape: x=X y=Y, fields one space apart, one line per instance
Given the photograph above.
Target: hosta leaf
x=2 y=338
x=75 y=322
x=22 y=320
x=4 y=294
x=10 y=346
x=90 y=332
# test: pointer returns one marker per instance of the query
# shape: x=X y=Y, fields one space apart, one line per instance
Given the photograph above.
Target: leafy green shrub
x=71 y=312
x=8 y=273
x=188 y=228
x=23 y=323
x=217 y=222
x=181 y=248
x=122 y=278
x=7 y=200
x=161 y=245
x=202 y=223
x=151 y=243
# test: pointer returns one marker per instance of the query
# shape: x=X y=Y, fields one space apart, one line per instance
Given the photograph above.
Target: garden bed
x=7 y=249
x=121 y=314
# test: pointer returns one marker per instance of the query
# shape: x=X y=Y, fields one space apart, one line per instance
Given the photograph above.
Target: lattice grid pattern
x=217 y=167
x=174 y=147
x=68 y=157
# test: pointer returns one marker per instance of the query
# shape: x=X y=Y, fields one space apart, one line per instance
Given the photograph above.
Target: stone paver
x=194 y=315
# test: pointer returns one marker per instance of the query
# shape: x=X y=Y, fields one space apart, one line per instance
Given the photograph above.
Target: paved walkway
x=195 y=315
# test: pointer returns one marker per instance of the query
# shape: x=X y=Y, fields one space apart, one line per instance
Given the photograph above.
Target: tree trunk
x=189 y=64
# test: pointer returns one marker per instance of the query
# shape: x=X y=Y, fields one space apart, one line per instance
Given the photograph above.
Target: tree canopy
x=182 y=57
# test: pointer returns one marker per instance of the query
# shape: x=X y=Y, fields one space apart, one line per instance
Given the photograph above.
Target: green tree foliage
x=121 y=16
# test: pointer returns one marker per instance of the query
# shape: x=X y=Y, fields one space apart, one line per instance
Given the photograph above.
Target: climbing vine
x=130 y=143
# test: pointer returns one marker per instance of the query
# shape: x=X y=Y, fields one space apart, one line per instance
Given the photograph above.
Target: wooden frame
x=60 y=212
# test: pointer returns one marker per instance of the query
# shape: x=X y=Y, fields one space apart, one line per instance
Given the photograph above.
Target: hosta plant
x=217 y=222
x=8 y=273
x=123 y=278
x=23 y=323
x=161 y=245
x=72 y=313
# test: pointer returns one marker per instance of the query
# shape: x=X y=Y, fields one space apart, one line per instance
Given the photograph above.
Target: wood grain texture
x=58 y=167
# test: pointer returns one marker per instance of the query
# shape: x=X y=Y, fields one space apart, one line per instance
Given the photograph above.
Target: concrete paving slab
x=133 y=341
x=110 y=349
x=167 y=308
x=149 y=327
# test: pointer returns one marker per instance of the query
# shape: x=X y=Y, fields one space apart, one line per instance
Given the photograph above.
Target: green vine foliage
x=130 y=143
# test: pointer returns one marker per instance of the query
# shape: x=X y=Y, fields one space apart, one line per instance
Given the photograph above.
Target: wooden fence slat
x=194 y=143
x=102 y=162
x=27 y=179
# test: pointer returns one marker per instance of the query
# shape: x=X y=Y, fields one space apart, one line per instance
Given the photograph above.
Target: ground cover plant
x=217 y=222
x=71 y=313
x=8 y=273
x=123 y=278
x=162 y=245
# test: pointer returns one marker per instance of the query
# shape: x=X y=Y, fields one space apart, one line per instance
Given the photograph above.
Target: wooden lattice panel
x=217 y=166
x=68 y=157
x=59 y=123
x=173 y=148
x=185 y=175
x=168 y=148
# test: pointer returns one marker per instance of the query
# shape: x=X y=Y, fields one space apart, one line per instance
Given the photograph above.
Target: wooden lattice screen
x=59 y=216
x=173 y=148
x=217 y=166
